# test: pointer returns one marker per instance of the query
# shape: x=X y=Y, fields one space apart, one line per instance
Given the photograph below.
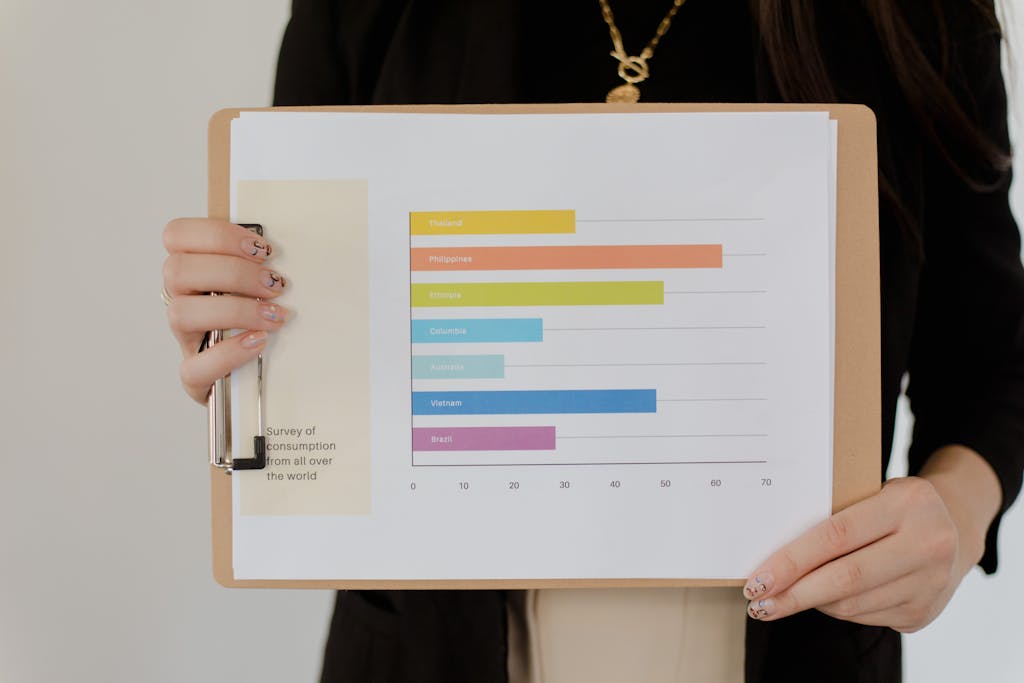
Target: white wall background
x=104 y=532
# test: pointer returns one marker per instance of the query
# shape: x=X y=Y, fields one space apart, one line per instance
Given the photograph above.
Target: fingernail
x=761 y=609
x=759 y=585
x=256 y=246
x=274 y=313
x=272 y=280
x=253 y=340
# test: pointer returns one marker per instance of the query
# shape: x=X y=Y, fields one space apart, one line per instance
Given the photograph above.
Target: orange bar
x=568 y=258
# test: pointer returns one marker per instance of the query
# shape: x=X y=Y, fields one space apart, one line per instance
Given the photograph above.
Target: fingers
x=210 y=236
x=844 y=532
x=191 y=316
x=890 y=560
x=186 y=274
x=868 y=606
x=847 y=580
x=906 y=605
x=200 y=371
x=194 y=315
x=207 y=255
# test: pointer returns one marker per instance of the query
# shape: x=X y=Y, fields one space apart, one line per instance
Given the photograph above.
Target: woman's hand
x=206 y=255
x=894 y=559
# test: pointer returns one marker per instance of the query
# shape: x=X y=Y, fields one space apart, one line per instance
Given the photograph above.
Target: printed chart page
x=537 y=346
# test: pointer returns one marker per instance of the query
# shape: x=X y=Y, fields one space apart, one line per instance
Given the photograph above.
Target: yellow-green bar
x=538 y=294
x=491 y=222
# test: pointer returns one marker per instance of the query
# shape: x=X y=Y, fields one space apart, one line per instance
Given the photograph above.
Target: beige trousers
x=641 y=635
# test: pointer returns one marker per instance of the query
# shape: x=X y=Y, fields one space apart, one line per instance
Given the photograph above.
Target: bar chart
x=550 y=346
x=538 y=340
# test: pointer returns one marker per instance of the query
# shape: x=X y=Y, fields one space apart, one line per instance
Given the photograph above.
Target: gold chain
x=633 y=69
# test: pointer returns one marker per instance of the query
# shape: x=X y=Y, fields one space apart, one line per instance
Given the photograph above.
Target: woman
x=830 y=605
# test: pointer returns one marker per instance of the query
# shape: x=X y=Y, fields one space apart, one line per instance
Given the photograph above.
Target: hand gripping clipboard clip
x=217 y=401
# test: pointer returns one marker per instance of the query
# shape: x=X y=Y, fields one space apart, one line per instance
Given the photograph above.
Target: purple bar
x=483 y=438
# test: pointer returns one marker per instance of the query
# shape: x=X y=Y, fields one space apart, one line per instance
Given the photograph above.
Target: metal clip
x=220 y=421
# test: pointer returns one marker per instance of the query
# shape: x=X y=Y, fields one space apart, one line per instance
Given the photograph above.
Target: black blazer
x=952 y=284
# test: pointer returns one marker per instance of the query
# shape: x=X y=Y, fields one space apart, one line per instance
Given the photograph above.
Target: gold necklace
x=633 y=69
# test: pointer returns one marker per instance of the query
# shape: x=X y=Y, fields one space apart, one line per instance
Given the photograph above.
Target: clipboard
x=857 y=419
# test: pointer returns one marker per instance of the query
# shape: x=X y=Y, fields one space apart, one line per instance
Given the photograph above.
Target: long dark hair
x=790 y=38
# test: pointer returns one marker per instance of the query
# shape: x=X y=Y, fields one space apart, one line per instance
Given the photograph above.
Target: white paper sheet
x=715 y=444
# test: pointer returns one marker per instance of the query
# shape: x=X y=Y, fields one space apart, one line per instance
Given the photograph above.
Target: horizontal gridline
x=633 y=365
x=666 y=436
x=693 y=219
x=631 y=329
x=598 y=464
x=720 y=291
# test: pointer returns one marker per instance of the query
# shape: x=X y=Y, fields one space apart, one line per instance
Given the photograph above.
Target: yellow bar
x=491 y=222
x=538 y=294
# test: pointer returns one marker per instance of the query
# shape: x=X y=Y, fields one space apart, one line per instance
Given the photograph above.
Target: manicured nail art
x=273 y=313
x=761 y=609
x=253 y=340
x=272 y=280
x=759 y=585
x=257 y=246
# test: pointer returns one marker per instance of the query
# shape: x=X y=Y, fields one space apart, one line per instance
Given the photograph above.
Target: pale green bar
x=458 y=367
x=538 y=294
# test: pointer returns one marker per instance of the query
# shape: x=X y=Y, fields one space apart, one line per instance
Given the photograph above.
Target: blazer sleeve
x=334 y=51
x=966 y=360
x=309 y=66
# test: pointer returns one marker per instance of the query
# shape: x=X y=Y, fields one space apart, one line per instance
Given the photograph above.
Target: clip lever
x=259 y=442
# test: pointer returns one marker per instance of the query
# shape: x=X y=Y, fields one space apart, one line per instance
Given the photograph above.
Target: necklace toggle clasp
x=631 y=69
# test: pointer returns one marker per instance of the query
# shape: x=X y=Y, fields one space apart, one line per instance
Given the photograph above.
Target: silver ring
x=165 y=296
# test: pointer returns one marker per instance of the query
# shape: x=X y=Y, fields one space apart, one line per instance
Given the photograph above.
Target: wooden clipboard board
x=857 y=422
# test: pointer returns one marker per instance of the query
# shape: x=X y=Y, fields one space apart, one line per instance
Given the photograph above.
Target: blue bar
x=478 y=330
x=545 y=402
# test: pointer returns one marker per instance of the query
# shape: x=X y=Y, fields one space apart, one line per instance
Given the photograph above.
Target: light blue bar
x=542 y=402
x=477 y=330
x=458 y=367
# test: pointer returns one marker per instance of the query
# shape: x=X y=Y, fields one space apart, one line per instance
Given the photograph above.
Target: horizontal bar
x=491 y=222
x=538 y=294
x=483 y=438
x=567 y=258
x=541 y=402
x=477 y=330
x=458 y=367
